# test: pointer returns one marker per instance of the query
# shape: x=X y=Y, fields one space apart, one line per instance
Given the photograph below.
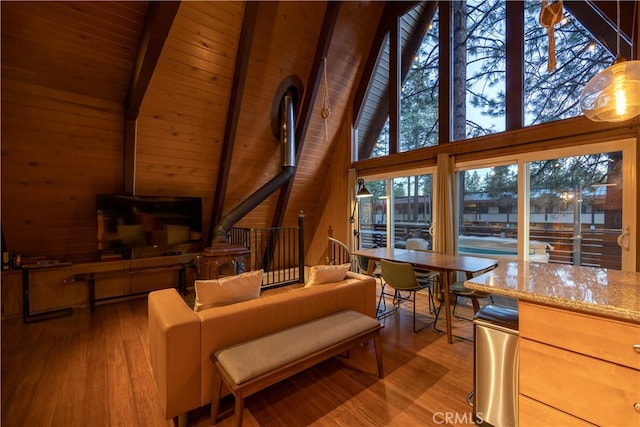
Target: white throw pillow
x=319 y=274
x=227 y=290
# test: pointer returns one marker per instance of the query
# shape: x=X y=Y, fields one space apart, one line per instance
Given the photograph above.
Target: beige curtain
x=444 y=226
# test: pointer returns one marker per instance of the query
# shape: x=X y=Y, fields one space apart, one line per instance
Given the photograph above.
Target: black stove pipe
x=287 y=136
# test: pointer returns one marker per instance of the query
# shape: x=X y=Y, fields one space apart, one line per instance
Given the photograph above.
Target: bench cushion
x=253 y=358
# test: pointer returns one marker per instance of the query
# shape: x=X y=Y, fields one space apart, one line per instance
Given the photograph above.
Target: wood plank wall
x=62 y=121
x=182 y=118
x=65 y=72
x=58 y=151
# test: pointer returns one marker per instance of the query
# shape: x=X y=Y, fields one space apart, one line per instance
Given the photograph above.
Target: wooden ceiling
x=87 y=48
x=96 y=50
x=200 y=77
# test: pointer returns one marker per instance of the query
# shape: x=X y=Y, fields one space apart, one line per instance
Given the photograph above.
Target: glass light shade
x=613 y=95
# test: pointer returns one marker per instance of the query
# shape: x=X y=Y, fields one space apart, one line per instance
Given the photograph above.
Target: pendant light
x=613 y=95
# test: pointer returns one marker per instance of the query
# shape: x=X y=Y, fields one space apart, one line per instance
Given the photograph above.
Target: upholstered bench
x=251 y=366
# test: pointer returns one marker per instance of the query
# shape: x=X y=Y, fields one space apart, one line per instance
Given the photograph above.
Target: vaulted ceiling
x=197 y=82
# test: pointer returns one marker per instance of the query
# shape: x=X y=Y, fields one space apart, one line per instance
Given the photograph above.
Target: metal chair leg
x=415 y=331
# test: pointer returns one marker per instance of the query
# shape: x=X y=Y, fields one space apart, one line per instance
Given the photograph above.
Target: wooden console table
x=40 y=292
x=91 y=277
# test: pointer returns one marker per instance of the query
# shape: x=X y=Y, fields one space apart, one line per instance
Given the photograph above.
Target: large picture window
x=478 y=66
x=419 y=95
x=554 y=95
x=572 y=207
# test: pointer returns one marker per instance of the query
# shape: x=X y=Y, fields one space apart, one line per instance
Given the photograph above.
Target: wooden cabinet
x=11 y=293
x=534 y=413
x=50 y=288
x=577 y=368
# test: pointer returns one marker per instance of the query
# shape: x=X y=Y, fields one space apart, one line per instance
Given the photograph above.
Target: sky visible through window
x=548 y=95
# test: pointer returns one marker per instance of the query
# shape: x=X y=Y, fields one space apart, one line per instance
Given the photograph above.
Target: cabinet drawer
x=600 y=392
x=532 y=413
x=605 y=339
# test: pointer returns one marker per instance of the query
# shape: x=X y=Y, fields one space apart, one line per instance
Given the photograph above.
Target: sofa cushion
x=319 y=274
x=227 y=290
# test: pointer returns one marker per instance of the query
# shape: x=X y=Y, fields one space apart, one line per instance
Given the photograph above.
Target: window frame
x=628 y=147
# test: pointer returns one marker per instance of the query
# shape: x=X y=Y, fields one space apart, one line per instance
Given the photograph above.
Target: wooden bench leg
x=239 y=407
x=182 y=420
x=215 y=395
x=377 y=342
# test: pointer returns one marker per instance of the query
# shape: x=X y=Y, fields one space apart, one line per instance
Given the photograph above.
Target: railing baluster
x=278 y=250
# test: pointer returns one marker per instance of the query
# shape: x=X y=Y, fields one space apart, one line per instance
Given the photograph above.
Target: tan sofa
x=181 y=341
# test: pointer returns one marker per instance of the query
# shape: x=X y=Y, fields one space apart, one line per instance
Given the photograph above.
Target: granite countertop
x=599 y=291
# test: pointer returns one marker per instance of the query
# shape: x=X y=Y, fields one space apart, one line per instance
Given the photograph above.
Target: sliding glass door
x=372 y=216
x=401 y=208
x=571 y=206
x=576 y=206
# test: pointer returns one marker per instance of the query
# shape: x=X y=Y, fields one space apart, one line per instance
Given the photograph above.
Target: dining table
x=445 y=264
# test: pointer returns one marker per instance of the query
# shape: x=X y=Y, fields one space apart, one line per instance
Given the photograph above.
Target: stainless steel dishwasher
x=495 y=396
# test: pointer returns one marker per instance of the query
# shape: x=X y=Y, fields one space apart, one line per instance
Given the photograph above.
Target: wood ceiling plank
x=322 y=48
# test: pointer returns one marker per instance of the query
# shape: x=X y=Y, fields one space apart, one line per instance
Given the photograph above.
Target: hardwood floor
x=93 y=370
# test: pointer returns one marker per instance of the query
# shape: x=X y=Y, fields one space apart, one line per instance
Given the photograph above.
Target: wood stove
x=222 y=259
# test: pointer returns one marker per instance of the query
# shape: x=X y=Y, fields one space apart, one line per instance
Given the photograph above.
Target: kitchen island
x=579 y=344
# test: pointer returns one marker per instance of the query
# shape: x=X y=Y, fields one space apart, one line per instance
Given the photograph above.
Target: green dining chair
x=428 y=278
x=401 y=277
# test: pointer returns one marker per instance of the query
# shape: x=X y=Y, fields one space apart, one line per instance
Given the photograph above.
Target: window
x=555 y=95
x=419 y=94
x=479 y=66
x=488 y=224
x=412 y=208
x=567 y=206
x=372 y=216
x=577 y=208
x=401 y=208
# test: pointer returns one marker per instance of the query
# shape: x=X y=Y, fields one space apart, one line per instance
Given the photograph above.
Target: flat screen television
x=141 y=226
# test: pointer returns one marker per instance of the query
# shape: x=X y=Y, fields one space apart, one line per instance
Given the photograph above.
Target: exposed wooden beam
x=233 y=111
x=367 y=76
x=515 y=65
x=394 y=82
x=560 y=133
x=157 y=24
x=599 y=18
x=308 y=101
x=391 y=10
x=444 y=73
x=411 y=47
